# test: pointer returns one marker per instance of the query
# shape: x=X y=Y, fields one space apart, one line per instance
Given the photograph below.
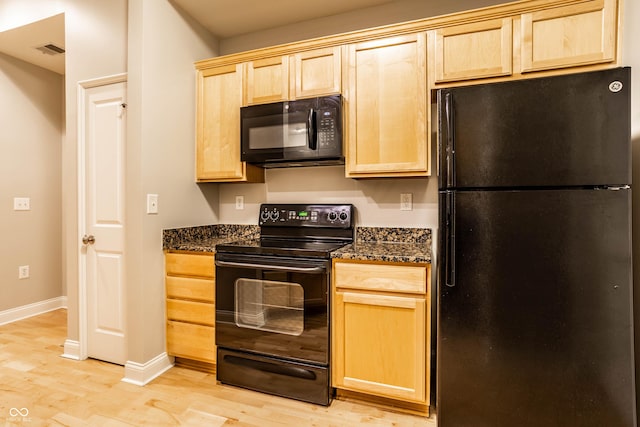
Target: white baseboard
x=143 y=373
x=30 y=310
x=71 y=350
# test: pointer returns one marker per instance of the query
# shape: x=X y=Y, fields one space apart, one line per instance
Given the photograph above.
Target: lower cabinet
x=381 y=330
x=190 y=295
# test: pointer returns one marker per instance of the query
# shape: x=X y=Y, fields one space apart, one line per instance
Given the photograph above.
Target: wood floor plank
x=62 y=392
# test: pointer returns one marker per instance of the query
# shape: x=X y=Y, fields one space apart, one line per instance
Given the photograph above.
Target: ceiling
x=223 y=18
x=229 y=18
x=22 y=43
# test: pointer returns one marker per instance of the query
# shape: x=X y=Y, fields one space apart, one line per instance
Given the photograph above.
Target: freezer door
x=535 y=326
x=554 y=131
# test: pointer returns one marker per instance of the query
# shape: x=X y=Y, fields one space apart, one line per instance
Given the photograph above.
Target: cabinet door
x=380 y=345
x=472 y=51
x=381 y=277
x=190 y=264
x=196 y=342
x=191 y=311
x=218 y=127
x=387 y=110
x=267 y=80
x=190 y=288
x=568 y=36
x=317 y=73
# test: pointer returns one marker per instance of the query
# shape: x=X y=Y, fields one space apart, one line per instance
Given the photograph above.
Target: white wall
x=163 y=45
x=160 y=152
x=31 y=113
x=16 y=13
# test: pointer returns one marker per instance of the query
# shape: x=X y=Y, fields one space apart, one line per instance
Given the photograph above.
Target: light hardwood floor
x=61 y=392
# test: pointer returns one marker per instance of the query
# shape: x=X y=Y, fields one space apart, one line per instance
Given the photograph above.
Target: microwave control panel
x=327 y=125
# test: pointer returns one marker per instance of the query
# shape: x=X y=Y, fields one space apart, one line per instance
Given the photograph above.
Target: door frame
x=83 y=87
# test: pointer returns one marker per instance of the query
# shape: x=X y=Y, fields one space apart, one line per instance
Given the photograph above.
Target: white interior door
x=102 y=256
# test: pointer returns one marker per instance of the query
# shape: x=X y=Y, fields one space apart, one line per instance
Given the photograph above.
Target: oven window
x=269 y=306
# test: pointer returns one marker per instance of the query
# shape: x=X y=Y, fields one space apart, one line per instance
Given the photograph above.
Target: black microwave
x=304 y=132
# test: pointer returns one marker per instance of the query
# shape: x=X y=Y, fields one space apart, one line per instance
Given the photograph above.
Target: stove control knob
x=332 y=216
x=343 y=216
x=264 y=216
x=275 y=215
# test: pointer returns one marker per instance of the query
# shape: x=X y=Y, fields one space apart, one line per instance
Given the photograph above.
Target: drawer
x=191 y=341
x=191 y=311
x=380 y=277
x=190 y=288
x=200 y=265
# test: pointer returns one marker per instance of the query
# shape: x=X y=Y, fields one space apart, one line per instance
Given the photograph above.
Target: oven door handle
x=270 y=267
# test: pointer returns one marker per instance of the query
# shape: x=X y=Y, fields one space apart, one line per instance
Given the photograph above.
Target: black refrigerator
x=534 y=322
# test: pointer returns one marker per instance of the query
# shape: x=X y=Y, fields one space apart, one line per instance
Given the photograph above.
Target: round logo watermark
x=19 y=415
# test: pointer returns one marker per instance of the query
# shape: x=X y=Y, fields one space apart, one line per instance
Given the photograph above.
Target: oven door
x=273 y=306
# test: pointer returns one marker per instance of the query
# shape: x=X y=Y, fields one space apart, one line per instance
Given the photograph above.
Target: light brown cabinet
x=381 y=330
x=305 y=74
x=190 y=305
x=569 y=36
x=387 y=75
x=267 y=80
x=219 y=98
x=317 y=72
x=551 y=38
x=387 y=113
x=471 y=51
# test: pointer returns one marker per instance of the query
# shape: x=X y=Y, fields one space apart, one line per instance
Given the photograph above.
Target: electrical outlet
x=406 y=201
x=21 y=204
x=152 y=203
x=239 y=202
x=23 y=272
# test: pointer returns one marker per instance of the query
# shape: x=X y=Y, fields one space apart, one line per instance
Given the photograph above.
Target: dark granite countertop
x=389 y=244
x=205 y=238
x=372 y=243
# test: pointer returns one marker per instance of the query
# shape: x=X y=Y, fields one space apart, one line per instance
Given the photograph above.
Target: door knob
x=88 y=240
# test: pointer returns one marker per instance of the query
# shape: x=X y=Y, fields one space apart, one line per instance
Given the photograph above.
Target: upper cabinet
x=568 y=36
x=317 y=73
x=386 y=107
x=386 y=76
x=554 y=37
x=267 y=80
x=219 y=98
x=306 y=74
x=472 y=51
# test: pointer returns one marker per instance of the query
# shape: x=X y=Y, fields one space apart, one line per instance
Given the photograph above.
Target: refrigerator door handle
x=450 y=245
x=450 y=149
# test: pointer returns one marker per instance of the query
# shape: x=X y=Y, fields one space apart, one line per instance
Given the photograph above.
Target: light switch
x=152 y=203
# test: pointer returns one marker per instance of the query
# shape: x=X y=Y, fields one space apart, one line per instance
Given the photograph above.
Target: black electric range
x=273 y=301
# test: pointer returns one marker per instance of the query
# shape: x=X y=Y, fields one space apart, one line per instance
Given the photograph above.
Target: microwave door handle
x=312 y=130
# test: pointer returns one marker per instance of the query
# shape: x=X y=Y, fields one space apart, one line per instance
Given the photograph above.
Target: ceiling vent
x=50 y=49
